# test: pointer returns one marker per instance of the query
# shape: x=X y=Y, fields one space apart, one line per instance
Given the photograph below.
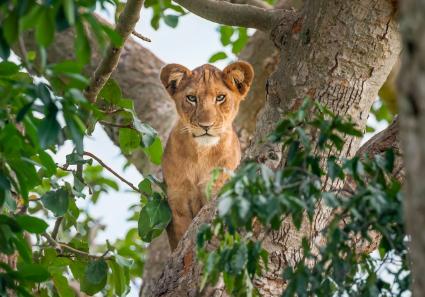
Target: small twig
x=65 y=168
x=130 y=126
x=56 y=227
x=113 y=172
x=24 y=54
x=52 y=241
x=64 y=247
x=137 y=34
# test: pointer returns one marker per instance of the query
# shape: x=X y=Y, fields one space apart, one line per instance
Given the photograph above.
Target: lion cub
x=207 y=101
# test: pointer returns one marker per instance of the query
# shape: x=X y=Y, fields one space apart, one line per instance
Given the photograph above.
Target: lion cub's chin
x=207 y=140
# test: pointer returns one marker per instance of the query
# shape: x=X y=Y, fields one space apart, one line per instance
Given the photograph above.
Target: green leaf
x=82 y=45
x=145 y=186
x=62 y=286
x=32 y=224
x=334 y=170
x=10 y=28
x=171 y=20
x=45 y=28
x=33 y=272
x=4 y=46
x=239 y=259
x=95 y=277
x=68 y=6
x=239 y=44
x=48 y=130
x=129 y=140
x=155 y=21
x=154 y=151
x=68 y=66
x=48 y=163
x=154 y=218
x=119 y=279
x=8 y=68
x=113 y=35
x=148 y=133
x=30 y=20
x=4 y=189
x=217 y=56
x=226 y=33
x=111 y=92
x=21 y=245
x=76 y=129
x=56 y=201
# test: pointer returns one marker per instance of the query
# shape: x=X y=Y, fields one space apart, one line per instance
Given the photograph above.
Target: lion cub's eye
x=191 y=98
x=220 y=98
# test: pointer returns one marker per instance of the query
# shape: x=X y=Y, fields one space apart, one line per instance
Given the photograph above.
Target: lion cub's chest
x=188 y=167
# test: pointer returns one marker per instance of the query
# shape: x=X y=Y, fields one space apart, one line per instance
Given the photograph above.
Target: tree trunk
x=336 y=52
x=412 y=119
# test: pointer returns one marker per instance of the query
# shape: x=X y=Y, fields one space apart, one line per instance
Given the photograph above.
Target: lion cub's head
x=207 y=99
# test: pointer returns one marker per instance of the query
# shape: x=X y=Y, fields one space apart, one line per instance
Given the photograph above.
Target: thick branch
x=241 y=15
x=125 y=26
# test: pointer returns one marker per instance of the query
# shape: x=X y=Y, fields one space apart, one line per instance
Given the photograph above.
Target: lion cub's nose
x=205 y=126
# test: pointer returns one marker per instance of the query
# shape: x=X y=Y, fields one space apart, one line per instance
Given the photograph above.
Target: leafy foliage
x=42 y=106
x=166 y=11
x=258 y=196
x=234 y=38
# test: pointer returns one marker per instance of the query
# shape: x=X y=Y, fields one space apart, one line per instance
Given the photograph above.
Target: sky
x=191 y=44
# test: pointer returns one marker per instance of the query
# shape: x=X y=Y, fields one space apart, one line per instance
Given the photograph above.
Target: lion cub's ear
x=171 y=76
x=238 y=76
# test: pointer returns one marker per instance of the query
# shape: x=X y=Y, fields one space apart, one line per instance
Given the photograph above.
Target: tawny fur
x=190 y=157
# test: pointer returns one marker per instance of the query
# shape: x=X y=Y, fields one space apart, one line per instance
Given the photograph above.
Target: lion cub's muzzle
x=206 y=136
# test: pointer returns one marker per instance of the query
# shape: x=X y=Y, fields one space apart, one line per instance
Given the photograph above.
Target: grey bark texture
x=412 y=132
x=336 y=52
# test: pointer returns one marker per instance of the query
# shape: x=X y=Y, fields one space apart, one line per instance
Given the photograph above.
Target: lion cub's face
x=207 y=99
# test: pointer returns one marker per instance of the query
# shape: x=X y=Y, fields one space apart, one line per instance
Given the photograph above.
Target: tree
x=321 y=57
x=411 y=106
x=338 y=54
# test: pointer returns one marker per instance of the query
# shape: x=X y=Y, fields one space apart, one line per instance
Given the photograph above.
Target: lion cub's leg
x=179 y=202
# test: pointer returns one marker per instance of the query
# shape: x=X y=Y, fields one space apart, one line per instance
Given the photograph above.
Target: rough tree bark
x=412 y=119
x=336 y=52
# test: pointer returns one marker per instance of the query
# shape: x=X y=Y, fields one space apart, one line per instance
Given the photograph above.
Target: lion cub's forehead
x=206 y=78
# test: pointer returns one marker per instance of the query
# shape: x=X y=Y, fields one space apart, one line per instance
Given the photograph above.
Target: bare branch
x=111 y=171
x=232 y=14
x=64 y=247
x=125 y=26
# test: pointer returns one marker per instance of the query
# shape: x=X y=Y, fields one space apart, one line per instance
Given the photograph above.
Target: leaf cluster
x=360 y=193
